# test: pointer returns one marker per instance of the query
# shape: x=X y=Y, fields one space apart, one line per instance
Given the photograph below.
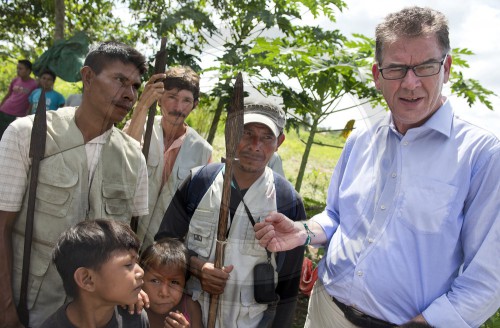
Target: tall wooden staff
x=160 y=62
x=37 y=152
x=233 y=131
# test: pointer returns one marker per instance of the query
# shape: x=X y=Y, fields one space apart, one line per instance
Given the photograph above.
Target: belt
x=360 y=319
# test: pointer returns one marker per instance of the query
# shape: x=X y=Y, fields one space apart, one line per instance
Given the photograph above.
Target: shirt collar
x=101 y=139
x=441 y=121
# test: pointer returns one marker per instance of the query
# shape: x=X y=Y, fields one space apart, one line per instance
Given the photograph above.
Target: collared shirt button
x=359 y=273
x=394 y=174
x=382 y=207
x=405 y=143
x=371 y=240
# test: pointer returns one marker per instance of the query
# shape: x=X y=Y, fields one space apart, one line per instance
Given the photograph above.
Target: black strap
x=250 y=217
x=199 y=184
x=286 y=199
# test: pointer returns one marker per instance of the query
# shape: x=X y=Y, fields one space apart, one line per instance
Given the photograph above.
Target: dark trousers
x=5 y=120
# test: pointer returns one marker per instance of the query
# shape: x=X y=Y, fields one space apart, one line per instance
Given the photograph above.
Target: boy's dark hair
x=183 y=78
x=102 y=54
x=26 y=63
x=166 y=251
x=89 y=244
x=49 y=72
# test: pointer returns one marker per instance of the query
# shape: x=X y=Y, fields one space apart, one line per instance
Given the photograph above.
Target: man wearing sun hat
x=257 y=188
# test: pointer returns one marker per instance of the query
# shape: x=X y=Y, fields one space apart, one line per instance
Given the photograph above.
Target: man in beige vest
x=256 y=192
x=90 y=170
x=175 y=147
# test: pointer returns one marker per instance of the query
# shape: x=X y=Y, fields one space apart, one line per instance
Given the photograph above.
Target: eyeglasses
x=421 y=70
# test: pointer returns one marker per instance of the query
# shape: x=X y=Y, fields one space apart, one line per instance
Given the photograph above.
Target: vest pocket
x=201 y=234
x=54 y=191
x=117 y=197
x=152 y=165
x=40 y=260
x=250 y=245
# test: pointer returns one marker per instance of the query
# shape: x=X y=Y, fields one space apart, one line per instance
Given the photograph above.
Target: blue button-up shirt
x=413 y=223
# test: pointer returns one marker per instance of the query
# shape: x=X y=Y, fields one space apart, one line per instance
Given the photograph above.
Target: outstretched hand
x=278 y=233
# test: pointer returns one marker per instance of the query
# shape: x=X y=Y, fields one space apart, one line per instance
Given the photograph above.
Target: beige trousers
x=323 y=312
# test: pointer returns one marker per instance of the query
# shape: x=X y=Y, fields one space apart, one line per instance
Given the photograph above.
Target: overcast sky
x=474 y=24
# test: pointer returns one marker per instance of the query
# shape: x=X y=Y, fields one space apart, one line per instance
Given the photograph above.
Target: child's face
x=164 y=286
x=120 y=279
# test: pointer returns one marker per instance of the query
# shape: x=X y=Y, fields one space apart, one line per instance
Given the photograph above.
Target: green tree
x=239 y=24
x=181 y=22
x=313 y=70
x=27 y=27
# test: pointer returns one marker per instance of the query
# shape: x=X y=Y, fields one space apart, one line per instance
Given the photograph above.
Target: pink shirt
x=170 y=155
x=17 y=103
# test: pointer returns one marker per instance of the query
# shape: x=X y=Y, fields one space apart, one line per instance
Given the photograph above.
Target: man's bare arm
x=152 y=92
x=5 y=97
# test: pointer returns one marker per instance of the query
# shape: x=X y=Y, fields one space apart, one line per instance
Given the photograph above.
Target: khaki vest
x=237 y=304
x=195 y=151
x=63 y=199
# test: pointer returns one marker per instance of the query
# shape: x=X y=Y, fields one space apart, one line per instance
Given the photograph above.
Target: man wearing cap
x=256 y=191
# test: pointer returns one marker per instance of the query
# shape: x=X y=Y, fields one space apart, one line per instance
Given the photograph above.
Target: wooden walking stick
x=233 y=132
x=37 y=152
x=160 y=62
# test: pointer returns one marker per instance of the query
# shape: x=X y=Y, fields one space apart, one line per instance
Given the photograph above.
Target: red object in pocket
x=308 y=276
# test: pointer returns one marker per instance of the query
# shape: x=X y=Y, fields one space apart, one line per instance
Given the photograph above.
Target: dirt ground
x=301 y=312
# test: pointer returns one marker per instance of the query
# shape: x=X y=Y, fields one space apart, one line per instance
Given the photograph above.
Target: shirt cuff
x=441 y=313
x=327 y=223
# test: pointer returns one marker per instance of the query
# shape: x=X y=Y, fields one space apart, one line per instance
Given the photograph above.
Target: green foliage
x=27 y=26
x=470 y=89
x=317 y=180
x=180 y=21
x=7 y=73
x=67 y=88
x=201 y=115
x=312 y=70
x=240 y=23
x=493 y=322
x=314 y=206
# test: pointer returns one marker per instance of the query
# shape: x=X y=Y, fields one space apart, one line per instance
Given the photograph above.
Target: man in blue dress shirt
x=411 y=226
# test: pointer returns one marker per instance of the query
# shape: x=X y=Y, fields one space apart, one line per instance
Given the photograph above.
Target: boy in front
x=97 y=262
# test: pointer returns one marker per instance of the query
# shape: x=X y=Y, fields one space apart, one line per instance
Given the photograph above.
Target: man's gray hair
x=412 y=22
